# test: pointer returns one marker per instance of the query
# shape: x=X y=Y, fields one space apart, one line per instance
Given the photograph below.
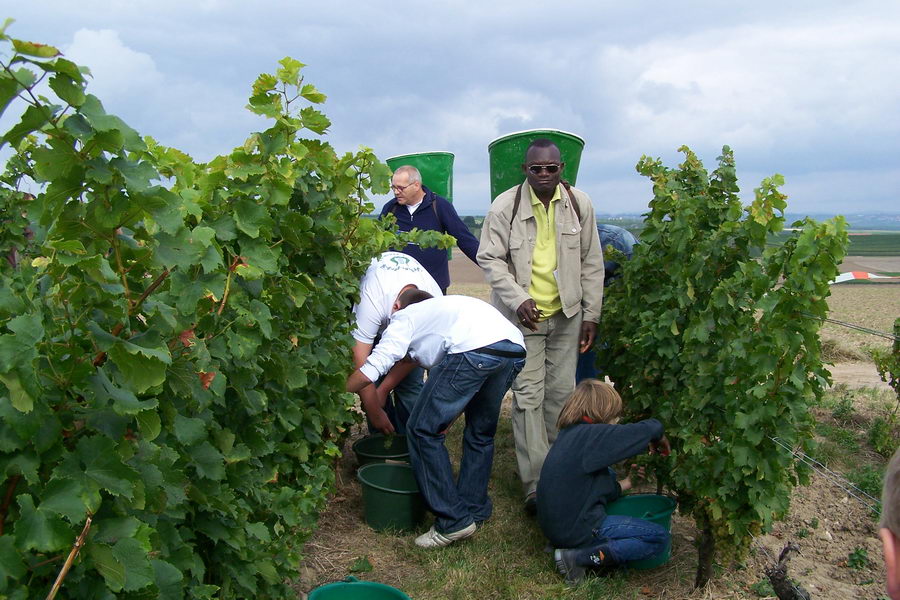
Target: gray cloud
x=806 y=89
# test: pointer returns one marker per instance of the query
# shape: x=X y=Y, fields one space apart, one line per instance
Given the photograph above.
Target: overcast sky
x=809 y=89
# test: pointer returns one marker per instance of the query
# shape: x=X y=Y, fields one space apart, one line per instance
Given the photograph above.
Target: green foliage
x=361 y=565
x=763 y=588
x=713 y=342
x=858 y=559
x=869 y=479
x=888 y=362
x=172 y=357
x=882 y=437
x=843 y=409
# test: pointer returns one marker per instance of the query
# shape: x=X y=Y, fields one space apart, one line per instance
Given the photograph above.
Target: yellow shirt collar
x=535 y=200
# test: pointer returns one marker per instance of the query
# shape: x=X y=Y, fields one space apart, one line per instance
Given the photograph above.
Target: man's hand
x=529 y=314
x=378 y=417
x=373 y=404
x=661 y=447
x=588 y=332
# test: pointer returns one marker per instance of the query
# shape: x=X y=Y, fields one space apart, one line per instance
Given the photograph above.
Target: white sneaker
x=433 y=539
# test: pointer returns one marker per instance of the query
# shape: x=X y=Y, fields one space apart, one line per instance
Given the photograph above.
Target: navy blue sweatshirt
x=576 y=481
x=446 y=221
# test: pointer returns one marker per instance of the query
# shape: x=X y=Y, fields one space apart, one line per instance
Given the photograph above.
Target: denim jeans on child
x=623 y=539
x=471 y=383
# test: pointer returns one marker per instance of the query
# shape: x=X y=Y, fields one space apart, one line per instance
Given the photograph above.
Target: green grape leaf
x=124 y=402
x=112 y=571
x=249 y=217
x=93 y=111
x=149 y=424
x=68 y=89
x=310 y=92
x=64 y=497
x=138 y=570
x=188 y=430
x=208 y=461
x=32 y=119
x=104 y=467
x=168 y=579
x=11 y=564
x=41 y=530
x=34 y=49
x=314 y=120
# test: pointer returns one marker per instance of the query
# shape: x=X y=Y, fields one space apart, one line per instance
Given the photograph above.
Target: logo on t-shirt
x=399 y=263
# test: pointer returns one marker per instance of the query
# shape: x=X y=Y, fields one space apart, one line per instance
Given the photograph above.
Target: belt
x=496 y=352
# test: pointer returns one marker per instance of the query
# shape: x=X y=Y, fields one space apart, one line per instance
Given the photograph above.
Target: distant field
x=864 y=243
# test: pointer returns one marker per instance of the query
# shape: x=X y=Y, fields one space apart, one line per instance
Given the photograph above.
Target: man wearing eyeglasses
x=414 y=205
x=541 y=254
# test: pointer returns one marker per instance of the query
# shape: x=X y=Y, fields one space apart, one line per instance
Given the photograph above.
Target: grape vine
x=174 y=339
x=706 y=332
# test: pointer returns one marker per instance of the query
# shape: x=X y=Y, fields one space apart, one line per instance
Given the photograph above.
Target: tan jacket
x=507 y=245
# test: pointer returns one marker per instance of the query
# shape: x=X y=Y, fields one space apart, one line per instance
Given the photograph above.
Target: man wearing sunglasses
x=541 y=254
x=414 y=205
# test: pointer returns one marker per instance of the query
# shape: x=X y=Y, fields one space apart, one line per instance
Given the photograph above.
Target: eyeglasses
x=400 y=188
x=536 y=169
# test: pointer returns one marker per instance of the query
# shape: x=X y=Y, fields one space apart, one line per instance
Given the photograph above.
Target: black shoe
x=531 y=504
x=565 y=564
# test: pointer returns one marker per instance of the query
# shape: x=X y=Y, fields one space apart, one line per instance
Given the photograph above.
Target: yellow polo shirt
x=543 y=289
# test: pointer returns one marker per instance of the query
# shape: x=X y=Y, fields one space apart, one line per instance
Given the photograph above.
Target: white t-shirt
x=433 y=328
x=389 y=273
x=414 y=207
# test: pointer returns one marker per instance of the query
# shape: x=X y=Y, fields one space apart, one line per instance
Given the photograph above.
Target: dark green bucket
x=650 y=507
x=378 y=448
x=391 y=497
x=436 y=169
x=353 y=589
x=507 y=154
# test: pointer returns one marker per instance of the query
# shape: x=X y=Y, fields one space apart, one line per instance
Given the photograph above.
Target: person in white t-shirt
x=472 y=353
x=389 y=274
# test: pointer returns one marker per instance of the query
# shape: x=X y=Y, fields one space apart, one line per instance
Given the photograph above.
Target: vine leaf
x=189 y=430
x=39 y=529
x=124 y=402
x=133 y=557
x=11 y=564
x=64 y=497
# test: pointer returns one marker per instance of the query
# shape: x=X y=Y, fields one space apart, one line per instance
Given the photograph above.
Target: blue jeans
x=623 y=539
x=471 y=383
x=401 y=400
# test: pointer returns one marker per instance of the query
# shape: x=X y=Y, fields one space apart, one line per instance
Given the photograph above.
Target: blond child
x=577 y=483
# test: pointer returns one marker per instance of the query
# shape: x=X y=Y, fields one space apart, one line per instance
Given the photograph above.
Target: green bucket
x=436 y=169
x=391 y=497
x=353 y=589
x=378 y=448
x=650 y=507
x=507 y=154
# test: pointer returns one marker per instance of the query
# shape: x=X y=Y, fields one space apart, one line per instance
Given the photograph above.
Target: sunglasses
x=536 y=169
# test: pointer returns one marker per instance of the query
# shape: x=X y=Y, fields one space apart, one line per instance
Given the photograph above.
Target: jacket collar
x=525 y=211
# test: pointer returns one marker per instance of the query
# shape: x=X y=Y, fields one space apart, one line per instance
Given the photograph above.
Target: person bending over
x=472 y=354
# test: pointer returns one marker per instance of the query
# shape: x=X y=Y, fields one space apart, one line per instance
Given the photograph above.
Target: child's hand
x=625 y=484
x=660 y=446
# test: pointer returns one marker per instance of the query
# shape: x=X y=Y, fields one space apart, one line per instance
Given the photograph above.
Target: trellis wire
x=834 y=478
x=889 y=336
